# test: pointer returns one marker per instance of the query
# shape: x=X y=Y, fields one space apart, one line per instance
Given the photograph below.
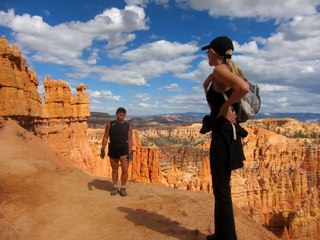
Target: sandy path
x=41 y=197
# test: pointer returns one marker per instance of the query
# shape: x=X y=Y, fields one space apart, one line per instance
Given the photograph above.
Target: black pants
x=221 y=174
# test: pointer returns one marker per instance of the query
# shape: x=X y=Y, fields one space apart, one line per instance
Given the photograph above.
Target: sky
x=145 y=55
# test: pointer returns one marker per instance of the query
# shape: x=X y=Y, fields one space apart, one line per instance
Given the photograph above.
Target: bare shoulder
x=222 y=73
x=222 y=69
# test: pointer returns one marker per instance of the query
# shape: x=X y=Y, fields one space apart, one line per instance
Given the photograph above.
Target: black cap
x=220 y=45
x=121 y=110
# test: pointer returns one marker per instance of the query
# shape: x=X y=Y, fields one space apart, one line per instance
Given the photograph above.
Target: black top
x=216 y=100
x=222 y=126
x=118 y=132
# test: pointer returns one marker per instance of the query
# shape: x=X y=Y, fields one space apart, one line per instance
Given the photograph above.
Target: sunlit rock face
x=18 y=84
x=61 y=120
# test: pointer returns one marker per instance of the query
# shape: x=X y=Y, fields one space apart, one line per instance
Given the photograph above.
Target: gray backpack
x=249 y=105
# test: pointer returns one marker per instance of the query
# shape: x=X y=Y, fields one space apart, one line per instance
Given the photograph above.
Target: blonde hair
x=233 y=67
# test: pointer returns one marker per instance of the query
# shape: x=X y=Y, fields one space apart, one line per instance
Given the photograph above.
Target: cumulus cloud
x=260 y=9
x=289 y=101
x=161 y=49
x=286 y=64
x=289 y=57
x=56 y=44
x=144 y=3
x=95 y=95
x=143 y=96
x=144 y=105
x=171 y=87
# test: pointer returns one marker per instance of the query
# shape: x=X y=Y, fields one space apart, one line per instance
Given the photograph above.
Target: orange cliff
x=18 y=84
x=61 y=120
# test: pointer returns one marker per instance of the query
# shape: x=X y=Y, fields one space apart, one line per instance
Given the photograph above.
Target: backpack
x=250 y=104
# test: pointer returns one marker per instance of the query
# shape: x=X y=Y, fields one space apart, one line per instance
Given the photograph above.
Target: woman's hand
x=228 y=114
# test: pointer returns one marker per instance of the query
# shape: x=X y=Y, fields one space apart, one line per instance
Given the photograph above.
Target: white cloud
x=144 y=3
x=272 y=9
x=289 y=57
x=103 y=95
x=143 y=96
x=171 y=87
x=300 y=27
x=250 y=47
x=295 y=100
x=144 y=105
x=6 y=18
x=149 y=61
x=274 y=88
x=56 y=44
x=160 y=50
x=122 y=75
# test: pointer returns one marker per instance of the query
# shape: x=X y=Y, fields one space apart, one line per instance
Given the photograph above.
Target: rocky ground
x=43 y=197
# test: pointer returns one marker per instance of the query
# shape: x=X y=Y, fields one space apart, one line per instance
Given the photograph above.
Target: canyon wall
x=61 y=119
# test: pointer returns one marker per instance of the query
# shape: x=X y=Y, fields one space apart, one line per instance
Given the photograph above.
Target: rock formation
x=18 y=84
x=61 y=120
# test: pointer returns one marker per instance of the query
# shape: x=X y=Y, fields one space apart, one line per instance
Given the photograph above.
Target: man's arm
x=105 y=139
x=130 y=140
x=106 y=135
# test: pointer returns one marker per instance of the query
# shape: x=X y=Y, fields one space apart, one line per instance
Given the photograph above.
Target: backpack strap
x=226 y=98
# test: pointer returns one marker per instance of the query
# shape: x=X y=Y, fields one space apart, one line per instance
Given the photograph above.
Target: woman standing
x=226 y=153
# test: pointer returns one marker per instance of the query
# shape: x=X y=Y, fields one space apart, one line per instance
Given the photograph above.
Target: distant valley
x=98 y=119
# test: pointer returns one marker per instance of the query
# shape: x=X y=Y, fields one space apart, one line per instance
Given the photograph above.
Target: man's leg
x=124 y=174
x=114 y=165
x=124 y=170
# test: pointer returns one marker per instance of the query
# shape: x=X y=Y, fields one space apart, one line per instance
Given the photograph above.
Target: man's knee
x=114 y=163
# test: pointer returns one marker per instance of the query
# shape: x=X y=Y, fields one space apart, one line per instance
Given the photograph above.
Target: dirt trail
x=44 y=198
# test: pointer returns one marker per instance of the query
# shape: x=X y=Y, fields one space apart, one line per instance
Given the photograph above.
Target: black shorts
x=117 y=150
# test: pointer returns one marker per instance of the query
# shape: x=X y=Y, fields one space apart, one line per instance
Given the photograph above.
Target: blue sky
x=145 y=55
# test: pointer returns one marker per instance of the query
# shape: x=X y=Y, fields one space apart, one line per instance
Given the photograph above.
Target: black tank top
x=216 y=100
x=118 y=132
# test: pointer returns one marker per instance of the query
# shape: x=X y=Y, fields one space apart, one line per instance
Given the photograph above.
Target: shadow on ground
x=100 y=184
x=160 y=223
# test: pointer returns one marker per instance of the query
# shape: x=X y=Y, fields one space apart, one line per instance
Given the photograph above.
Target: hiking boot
x=114 y=191
x=123 y=192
